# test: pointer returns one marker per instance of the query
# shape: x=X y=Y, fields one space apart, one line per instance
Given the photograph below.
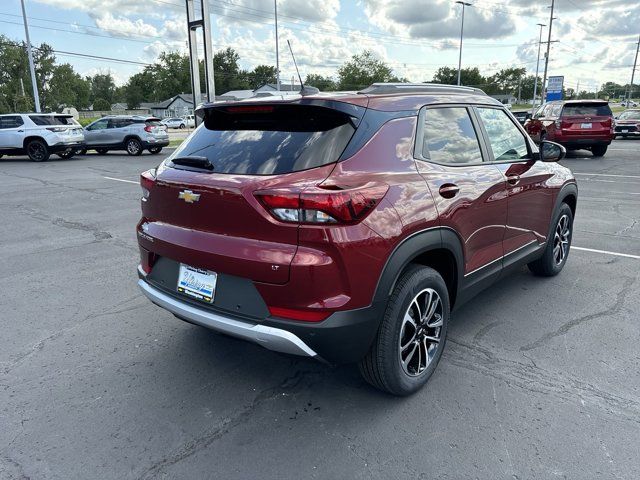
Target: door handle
x=449 y=190
x=20 y=131
x=513 y=179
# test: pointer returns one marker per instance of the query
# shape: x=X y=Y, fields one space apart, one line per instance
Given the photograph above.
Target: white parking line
x=606 y=252
x=121 y=180
x=606 y=175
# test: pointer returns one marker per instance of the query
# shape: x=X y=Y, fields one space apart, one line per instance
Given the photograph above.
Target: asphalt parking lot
x=539 y=378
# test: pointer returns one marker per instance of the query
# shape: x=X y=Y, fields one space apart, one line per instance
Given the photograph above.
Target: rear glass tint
x=269 y=140
x=595 y=110
x=45 y=120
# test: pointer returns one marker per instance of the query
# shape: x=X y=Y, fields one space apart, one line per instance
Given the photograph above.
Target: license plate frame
x=197 y=283
x=624 y=130
x=586 y=126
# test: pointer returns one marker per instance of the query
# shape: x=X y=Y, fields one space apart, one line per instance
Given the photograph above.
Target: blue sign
x=554 y=88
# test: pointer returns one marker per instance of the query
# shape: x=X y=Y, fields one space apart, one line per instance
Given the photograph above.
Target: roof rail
x=386 y=88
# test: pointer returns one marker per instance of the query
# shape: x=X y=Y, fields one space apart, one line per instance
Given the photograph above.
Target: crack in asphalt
x=532 y=378
x=615 y=308
x=195 y=445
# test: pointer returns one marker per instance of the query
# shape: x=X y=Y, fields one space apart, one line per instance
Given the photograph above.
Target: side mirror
x=551 y=151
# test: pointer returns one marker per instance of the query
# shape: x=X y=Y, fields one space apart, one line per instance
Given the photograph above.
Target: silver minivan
x=132 y=133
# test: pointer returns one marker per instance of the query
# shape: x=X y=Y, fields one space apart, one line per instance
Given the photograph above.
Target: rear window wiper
x=194 y=162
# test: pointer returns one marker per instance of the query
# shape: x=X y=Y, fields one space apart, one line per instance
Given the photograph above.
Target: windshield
x=269 y=140
x=630 y=115
x=595 y=110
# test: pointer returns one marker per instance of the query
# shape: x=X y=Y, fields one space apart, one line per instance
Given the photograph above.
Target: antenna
x=303 y=90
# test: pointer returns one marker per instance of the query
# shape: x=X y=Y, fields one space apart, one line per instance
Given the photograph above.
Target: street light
x=535 y=85
x=464 y=4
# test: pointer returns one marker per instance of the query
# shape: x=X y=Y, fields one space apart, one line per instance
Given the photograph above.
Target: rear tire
x=412 y=334
x=558 y=245
x=38 y=151
x=66 y=154
x=155 y=150
x=182 y=126
x=82 y=151
x=599 y=150
x=134 y=147
x=102 y=151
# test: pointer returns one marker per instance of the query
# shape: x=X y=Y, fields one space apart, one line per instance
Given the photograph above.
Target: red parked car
x=347 y=226
x=575 y=124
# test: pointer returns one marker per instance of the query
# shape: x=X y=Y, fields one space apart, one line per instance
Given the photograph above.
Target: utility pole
x=546 y=59
x=464 y=4
x=633 y=73
x=535 y=84
x=275 y=7
x=32 y=68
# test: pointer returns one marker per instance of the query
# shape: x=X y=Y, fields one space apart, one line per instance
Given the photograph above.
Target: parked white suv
x=39 y=135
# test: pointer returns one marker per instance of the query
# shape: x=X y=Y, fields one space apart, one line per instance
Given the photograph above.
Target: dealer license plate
x=197 y=283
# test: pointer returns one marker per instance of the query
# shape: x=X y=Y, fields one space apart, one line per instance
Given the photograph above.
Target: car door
x=470 y=194
x=530 y=198
x=116 y=131
x=95 y=133
x=11 y=132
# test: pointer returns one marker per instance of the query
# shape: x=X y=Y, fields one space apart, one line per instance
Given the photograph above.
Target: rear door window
x=589 y=109
x=449 y=136
x=269 y=139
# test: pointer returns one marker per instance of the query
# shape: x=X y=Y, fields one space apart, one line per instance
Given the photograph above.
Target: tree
x=363 y=70
x=468 y=76
x=66 y=88
x=228 y=75
x=324 y=84
x=100 y=104
x=102 y=86
x=260 y=75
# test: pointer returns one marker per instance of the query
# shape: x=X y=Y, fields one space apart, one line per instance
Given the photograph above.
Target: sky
x=595 y=40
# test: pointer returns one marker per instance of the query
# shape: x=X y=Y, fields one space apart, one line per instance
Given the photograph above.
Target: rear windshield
x=630 y=115
x=52 y=120
x=597 y=110
x=268 y=139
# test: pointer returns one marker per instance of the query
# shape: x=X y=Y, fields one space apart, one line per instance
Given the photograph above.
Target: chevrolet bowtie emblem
x=188 y=196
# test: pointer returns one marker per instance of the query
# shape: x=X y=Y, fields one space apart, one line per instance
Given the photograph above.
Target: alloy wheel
x=36 y=151
x=561 y=240
x=420 y=333
x=133 y=147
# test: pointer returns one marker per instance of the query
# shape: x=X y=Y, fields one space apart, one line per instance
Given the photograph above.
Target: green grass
x=176 y=142
x=86 y=121
x=521 y=106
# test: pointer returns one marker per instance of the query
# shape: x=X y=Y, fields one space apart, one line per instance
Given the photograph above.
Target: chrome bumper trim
x=272 y=338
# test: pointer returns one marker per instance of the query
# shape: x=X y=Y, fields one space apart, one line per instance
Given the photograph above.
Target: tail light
x=147 y=181
x=301 y=315
x=322 y=205
x=148 y=128
x=57 y=129
x=147 y=260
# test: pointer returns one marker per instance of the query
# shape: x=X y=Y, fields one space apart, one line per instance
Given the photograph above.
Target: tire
x=548 y=265
x=182 y=126
x=82 y=151
x=38 y=151
x=155 y=150
x=392 y=367
x=599 y=150
x=134 y=147
x=102 y=151
x=66 y=154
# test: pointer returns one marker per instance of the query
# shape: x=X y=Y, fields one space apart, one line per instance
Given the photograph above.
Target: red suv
x=346 y=226
x=574 y=124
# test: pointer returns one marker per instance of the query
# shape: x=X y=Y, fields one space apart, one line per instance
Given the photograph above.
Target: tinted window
x=630 y=115
x=505 y=139
x=602 y=110
x=269 y=139
x=555 y=110
x=99 y=125
x=12 y=121
x=51 y=120
x=449 y=136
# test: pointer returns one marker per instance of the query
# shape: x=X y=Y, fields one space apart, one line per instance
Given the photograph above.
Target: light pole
x=546 y=59
x=633 y=73
x=535 y=83
x=32 y=68
x=464 y=4
x=275 y=7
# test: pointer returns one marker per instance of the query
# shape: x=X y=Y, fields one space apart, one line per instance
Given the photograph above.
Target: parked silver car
x=132 y=133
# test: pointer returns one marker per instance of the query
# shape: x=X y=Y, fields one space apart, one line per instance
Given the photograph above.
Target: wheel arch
x=30 y=138
x=439 y=248
x=568 y=194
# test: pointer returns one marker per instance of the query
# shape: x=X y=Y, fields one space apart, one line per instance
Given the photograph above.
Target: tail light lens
x=301 y=315
x=148 y=128
x=147 y=181
x=147 y=260
x=322 y=205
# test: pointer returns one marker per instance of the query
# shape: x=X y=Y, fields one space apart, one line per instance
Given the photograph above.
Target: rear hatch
x=201 y=209
x=586 y=119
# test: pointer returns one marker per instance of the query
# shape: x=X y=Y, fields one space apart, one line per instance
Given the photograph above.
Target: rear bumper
x=583 y=142
x=272 y=338
x=155 y=143
x=62 y=146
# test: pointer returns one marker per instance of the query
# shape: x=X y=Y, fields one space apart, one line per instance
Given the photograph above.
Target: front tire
x=38 y=151
x=182 y=126
x=599 y=150
x=134 y=147
x=155 y=150
x=66 y=154
x=558 y=245
x=412 y=334
x=101 y=151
